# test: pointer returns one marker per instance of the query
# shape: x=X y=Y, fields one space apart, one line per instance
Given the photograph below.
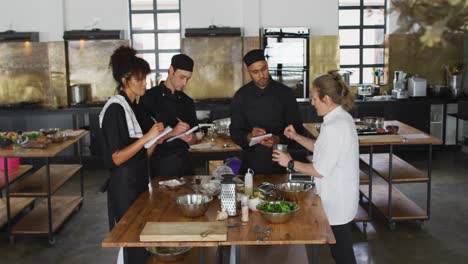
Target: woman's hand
x=281 y=157
x=290 y=132
x=155 y=130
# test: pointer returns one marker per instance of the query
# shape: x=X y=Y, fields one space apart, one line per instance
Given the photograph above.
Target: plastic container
x=248 y=182
x=12 y=163
x=234 y=164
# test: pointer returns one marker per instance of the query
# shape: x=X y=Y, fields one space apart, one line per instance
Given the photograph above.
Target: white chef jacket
x=336 y=159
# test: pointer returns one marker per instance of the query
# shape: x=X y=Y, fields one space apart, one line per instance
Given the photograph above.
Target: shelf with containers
x=50 y=211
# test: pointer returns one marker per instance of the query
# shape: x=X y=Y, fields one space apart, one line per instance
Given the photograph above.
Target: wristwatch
x=291 y=165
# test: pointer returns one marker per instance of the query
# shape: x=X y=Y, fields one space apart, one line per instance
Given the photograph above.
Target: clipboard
x=152 y=141
x=256 y=140
x=183 y=134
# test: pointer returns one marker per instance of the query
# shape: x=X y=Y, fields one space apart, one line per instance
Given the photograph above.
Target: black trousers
x=125 y=185
x=342 y=251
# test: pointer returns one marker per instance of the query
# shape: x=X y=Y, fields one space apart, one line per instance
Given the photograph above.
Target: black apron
x=172 y=164
x=259 y=159
x=125 y=185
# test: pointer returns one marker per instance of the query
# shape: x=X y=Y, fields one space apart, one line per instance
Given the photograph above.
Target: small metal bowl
x=293 y=191
x=57 y=138
x=176 y=186
x=392 y=129
x=276 y=218
x=169 y=254
x=49 y=131
x=193 y=205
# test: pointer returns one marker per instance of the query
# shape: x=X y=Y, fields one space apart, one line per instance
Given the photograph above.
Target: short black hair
x=182 y=62
x=254 y=56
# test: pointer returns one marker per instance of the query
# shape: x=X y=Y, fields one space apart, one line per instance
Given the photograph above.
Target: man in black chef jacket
x=168 y=103
x=260 y=107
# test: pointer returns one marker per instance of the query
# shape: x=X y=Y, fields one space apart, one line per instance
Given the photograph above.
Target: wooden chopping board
x=184 y=231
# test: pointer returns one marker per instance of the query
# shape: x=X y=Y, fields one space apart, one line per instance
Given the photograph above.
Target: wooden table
x=308 y=226
x=405 y=136
x=392 y=203
x=51 y=213
x=222 y=148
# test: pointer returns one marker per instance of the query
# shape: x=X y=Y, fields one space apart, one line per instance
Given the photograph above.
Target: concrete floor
x=443 y=239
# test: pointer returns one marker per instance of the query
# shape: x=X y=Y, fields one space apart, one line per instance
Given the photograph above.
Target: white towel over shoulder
x=134 y=129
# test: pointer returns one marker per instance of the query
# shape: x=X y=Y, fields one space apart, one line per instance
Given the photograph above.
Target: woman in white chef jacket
x=335 y=163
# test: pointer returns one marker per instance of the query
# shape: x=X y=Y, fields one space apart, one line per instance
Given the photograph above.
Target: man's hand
x=256 y=131
x=281 y=157
x=188 y=138
x=180 y=128
x=269 y=142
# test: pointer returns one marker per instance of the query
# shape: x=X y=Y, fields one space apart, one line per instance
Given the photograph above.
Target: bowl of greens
x=277 y=212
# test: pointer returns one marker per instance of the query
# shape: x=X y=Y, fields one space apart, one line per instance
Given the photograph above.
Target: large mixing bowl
x=169 y=254
x=293 y=191
x=193 y=205
x=277 y=218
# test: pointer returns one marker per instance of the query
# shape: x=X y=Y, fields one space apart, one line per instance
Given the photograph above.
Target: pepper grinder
x=228 y=195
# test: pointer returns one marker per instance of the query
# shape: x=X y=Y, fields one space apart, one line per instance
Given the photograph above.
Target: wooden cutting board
x=185 y=231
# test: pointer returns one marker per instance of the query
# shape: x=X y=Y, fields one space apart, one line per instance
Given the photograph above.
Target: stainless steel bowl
x=293 y=191
x=193 y=205
x=276 y=218
x=169 y=254
x=373 y=121
x=57 y=138
x=49 y=131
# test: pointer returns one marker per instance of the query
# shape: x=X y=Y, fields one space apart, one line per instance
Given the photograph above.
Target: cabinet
x=37 y=190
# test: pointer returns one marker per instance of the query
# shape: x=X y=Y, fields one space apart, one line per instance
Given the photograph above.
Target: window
x=155 y=33
x=362 y=27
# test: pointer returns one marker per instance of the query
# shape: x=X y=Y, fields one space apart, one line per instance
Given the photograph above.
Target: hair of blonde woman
x=333 y=85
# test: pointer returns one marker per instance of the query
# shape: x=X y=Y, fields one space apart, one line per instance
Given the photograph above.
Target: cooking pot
x=79 y=93
x=345 y=75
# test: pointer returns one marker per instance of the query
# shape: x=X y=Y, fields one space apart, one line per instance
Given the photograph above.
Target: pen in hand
x=154 y=120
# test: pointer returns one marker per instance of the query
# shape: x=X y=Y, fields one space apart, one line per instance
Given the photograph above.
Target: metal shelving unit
x=53 y=210
x=389 y=200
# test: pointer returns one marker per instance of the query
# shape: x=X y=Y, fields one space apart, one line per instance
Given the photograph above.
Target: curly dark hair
x=125 y=63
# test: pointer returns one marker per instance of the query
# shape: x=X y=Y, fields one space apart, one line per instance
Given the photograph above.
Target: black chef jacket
x=115 y=132
x=167 y=107
x=129 y=179
x=272 y=108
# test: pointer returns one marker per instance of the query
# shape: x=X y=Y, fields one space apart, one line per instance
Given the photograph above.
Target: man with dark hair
x=168 y=103
x=260 y=107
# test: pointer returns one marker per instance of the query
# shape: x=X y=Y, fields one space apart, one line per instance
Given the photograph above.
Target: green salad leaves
x=277 y=207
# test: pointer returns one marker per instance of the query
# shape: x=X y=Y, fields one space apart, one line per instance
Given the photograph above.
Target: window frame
x=155 y=31
x=361 y=27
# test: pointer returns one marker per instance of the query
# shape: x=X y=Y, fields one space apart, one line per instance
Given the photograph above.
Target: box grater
x=228 y=195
